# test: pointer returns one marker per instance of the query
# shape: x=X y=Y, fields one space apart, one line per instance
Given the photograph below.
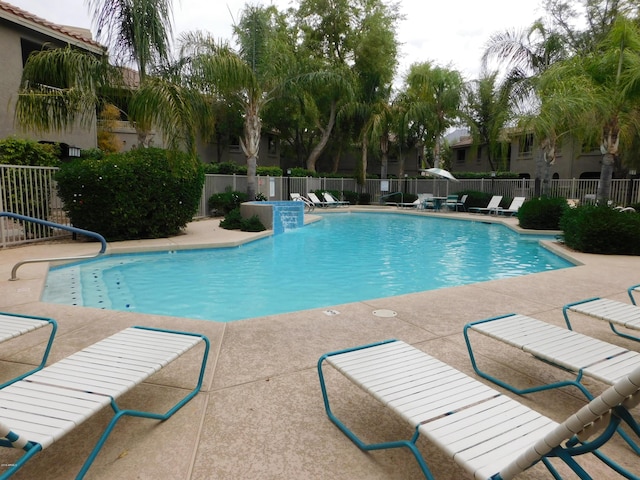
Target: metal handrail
x=46 y=223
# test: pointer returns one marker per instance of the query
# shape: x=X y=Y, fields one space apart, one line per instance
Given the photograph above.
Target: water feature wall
x=278 y=216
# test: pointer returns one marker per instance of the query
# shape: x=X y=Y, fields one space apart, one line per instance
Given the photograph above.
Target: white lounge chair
x=516 y=203
x=492 y=205
x=331 y=201
x=617 y=314
x=315 y=200
x=573 y=352
x=490 y=435
x=296 y=197
x=41 y=408
x=13 y=325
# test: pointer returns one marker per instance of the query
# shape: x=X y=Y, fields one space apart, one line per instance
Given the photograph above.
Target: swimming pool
x=346 y=257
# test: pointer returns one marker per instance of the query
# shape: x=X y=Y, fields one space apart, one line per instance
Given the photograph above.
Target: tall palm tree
x=435 y=96
x=527 y=54
x=602 y=95
x=487 y=113
x=137 y=31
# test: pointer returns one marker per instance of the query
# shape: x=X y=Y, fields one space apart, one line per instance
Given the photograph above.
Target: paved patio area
x=260 y=414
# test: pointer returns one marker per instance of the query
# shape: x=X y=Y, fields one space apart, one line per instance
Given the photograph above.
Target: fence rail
x=32 y=192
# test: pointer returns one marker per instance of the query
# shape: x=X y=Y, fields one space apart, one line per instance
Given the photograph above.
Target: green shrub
x=351 y=197
x=252 y=224
x=601 y=229
x=144 y=193
x=542 y=213
x=224 y=203
x=364 y=199
x=269 y=171
x=18 y=151
x=232 y=220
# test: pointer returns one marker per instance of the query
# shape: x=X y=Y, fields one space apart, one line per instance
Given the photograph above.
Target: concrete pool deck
x=260 y=414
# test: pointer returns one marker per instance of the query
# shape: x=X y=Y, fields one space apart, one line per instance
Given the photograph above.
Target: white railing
x=31 y=191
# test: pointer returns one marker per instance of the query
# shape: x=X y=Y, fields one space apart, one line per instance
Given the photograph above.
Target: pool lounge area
x=260 y=414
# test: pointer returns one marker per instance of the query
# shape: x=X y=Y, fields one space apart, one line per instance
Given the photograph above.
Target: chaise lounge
x=490 y=435
x=41 y=408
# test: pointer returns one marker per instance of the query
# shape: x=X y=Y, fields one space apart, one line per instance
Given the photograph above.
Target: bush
x=144 y=193
x=234 y=221
x=601 y=229
x=542 y=213
x=364 y=199
x=223 y=203
x=351 y=197
x=252 y=224
x=17 y=151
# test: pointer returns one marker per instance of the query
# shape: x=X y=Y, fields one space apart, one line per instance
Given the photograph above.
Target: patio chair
x=296 y=197
x=41 y=408
x=315 y=200
x=492 y=205
x=330 y=200
x=13 y=325
x=617 y=314
x=453 y=203
x=516 y=203
x=489 y=434
x=570 y=351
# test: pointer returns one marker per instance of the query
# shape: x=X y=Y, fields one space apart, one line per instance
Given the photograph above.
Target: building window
x=461 y=155
x=234 y=144
x=527 y=145
x=272 y=145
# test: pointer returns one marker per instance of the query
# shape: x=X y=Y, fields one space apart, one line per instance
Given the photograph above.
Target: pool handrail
x=69 y=228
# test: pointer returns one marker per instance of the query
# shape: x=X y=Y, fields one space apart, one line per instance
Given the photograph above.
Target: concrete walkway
x=261 y=415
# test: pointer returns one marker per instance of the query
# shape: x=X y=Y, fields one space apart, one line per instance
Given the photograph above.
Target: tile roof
x=67 y=31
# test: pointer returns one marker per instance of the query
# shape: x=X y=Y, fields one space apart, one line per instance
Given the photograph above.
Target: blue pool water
x=345 y=257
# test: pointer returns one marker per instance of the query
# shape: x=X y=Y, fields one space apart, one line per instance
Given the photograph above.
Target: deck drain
x=331 y=312
x=385 y=313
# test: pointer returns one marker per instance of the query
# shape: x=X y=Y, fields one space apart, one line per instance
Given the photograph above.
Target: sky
x=450 y=33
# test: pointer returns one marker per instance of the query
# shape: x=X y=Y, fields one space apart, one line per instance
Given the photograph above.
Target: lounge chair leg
x=410 y=444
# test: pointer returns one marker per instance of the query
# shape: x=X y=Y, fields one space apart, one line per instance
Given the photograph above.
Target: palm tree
x=527 y=54
x=602 y=95
x=138 y=32
x=487 y=113
x=435 y=96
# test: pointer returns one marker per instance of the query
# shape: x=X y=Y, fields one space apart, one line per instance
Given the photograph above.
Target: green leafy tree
x=435 y=97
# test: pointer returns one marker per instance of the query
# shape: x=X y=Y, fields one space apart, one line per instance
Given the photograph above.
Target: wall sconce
x=74 y=151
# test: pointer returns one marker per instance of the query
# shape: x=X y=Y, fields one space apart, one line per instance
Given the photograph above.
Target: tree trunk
x=606 y=174
x=324 y=139
x=250 y=146
x=384 y=148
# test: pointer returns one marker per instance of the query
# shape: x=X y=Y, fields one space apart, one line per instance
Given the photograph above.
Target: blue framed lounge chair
x=617 y=314
x=492 y=205
x=316 y=201
x=296 y=197
x=331 y=201
x=490 y=435
x=13 y=325
x=570 y=351
x=41 y=408
x=516 y=203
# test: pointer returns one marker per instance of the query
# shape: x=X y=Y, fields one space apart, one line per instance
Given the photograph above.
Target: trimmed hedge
x=542 y=213
x=601 y=229
x=144 y=193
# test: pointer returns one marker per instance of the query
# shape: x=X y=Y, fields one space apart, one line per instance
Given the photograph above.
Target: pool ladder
x=46 y=223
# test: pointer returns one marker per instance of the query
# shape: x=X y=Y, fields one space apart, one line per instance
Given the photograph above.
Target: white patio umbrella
x=440 y=173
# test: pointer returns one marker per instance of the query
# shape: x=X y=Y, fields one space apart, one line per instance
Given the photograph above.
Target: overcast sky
x=449 y=33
